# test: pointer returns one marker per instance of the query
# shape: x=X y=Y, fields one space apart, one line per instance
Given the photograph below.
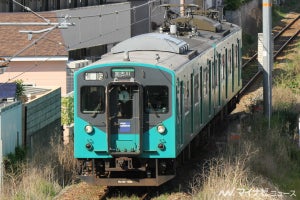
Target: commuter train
x=138 y=108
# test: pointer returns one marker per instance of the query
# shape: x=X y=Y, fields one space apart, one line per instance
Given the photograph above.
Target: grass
x=279 y=12
x=263 y=161
x=41 y=176
x=258 y=166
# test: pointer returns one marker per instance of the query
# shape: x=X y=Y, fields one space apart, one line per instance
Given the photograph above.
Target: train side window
x=229 y=61
x=216 y=73
x=92 y=99
x=186 y=97
x=157 y=99
x=196 y=88
x=206 y=82
x=236 y=56
x=232 y=57
x=223 y=66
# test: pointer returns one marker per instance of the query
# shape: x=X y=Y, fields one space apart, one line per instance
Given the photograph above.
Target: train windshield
x=156 y=99
x=124 y=101
x=92 y=99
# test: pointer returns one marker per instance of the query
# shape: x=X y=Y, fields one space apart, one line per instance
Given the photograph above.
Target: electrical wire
x=28 y=9
x=116 y=12
x=29 y=67
x=90 y=39
x=111 y=32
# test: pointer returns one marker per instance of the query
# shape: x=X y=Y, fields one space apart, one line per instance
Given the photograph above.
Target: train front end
x=124 y=132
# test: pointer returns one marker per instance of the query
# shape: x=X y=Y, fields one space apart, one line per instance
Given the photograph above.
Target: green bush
x=20 y=88
x=234 y=4
x=12 y=160
x=67 y=110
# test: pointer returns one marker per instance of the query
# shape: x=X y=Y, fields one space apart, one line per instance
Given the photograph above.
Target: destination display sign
x=123 y=73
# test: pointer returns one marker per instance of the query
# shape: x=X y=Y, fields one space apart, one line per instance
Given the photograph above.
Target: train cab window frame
x=156 y=98
x=92 y=99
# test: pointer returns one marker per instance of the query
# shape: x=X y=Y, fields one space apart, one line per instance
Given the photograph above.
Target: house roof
x=12 y=41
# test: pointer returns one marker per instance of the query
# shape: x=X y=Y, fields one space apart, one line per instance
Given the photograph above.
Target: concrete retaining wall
x=43 y=116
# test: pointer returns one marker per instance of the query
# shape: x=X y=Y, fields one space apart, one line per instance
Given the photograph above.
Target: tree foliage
x=234 y=4
x=67 y=110
x=20 y=88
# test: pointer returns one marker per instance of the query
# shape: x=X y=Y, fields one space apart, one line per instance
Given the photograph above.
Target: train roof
x=165 y=49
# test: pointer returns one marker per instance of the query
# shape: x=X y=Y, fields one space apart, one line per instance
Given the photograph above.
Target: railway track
x=142 y=193
x=283 y=37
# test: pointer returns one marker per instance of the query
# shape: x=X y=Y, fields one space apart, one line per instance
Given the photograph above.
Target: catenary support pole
x=267 y=58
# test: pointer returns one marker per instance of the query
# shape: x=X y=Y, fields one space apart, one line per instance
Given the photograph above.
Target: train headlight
x=161 y=128
x=88 y=129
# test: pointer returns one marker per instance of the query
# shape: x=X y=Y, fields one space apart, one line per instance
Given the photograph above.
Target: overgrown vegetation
x=20 y=88
x=279 y=11
x=265 y=162
x=234 y=4
x=13 y=160
x=40 y=176
x=256 y=166
x=67 y=110
x=249 y=45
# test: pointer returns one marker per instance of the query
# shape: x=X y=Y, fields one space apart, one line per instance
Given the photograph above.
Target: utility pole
x=267 y=58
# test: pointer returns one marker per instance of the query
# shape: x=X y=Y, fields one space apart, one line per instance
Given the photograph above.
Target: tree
x=67 y=110
x=20 y=89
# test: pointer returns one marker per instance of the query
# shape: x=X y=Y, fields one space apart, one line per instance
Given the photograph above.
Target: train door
x=124 y=120
x=239 y=63
x=201 y=95
x=222 y=79
x=196 y=110
x=192 y=111
x=215 y=85
x=179 y=106
x=232 y=67
x=182 y=127
x=226 y=74
x=219 y=79
x=210 y=106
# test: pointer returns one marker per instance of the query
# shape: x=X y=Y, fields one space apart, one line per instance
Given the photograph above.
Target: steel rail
x=286 y=43
x=275 y=37
x=254 y=77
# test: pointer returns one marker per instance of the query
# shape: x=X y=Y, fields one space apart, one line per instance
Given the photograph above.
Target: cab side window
x=92 y=99
x=156 y=99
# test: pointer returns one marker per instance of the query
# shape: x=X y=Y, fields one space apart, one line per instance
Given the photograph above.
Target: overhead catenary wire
x=113 y=31
x=117 y=11
x=126 y=26
x=28 y=9
x=32 y=43
x=45 y=33
x=69 y=17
